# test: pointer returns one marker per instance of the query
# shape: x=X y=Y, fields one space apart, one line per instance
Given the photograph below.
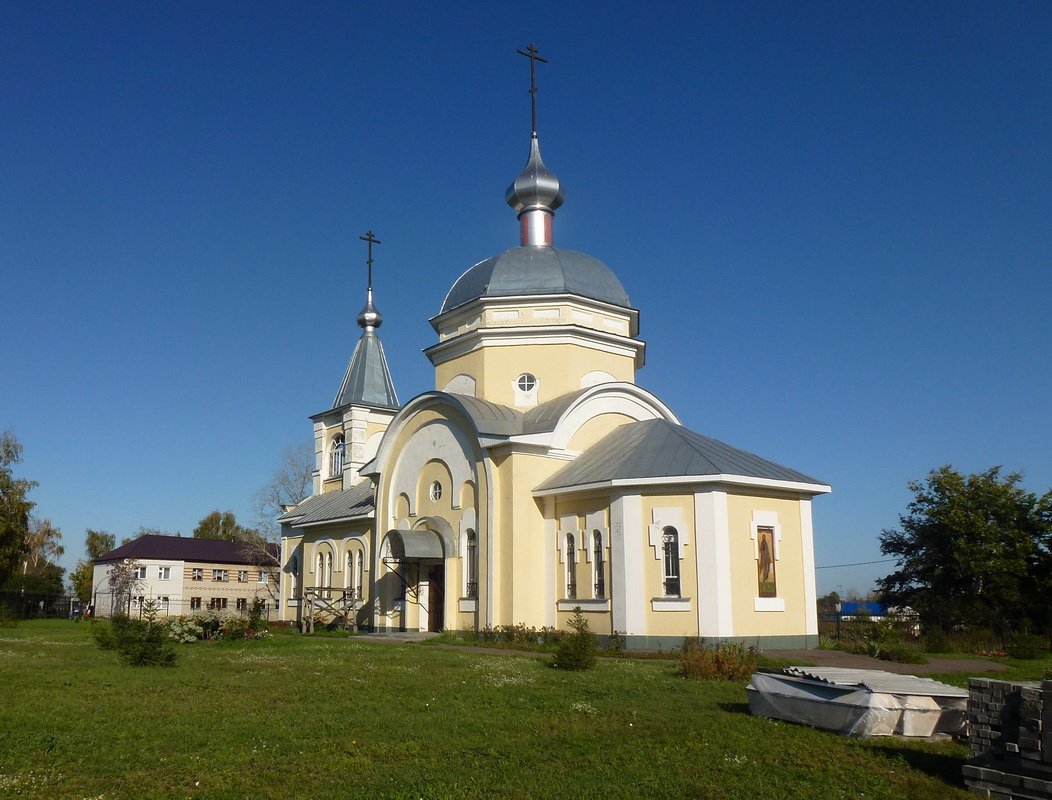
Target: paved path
x=838 y=658
x=821 y=658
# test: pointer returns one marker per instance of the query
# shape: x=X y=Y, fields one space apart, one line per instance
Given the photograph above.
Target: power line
x=857 y=563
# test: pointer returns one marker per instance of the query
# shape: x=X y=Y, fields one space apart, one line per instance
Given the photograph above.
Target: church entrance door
x=436 y=595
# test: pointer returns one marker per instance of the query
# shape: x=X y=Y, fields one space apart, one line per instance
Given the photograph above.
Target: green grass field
x=296 y=716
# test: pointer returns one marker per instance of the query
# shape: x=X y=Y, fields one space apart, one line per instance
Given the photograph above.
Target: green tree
x=96 y=543
x=39 y=572
x=970 y=550
x=223 y=525
x=14 y=508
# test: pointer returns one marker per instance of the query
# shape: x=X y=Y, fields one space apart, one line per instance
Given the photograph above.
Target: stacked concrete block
x=1010 y=733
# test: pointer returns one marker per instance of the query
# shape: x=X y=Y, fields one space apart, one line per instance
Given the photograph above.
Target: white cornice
x=472 y=340
x=793 y=487
x=479 y=305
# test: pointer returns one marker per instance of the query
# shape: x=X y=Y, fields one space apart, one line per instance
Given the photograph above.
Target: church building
x=538 y=476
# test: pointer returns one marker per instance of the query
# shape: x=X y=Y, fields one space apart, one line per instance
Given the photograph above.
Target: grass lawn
x=296 y=716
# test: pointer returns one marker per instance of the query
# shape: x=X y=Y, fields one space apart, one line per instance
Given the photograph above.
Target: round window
x=436 y=491
x=526 y=382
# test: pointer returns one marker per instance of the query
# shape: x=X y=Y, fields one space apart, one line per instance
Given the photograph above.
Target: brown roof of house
x=185 y=548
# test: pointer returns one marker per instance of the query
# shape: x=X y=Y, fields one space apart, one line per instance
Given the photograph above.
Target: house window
x=264 y=576
x=571 y=568
x=217 y=603
x=242 y=603
x=526 y=390
x=294 y=577
x=138 y=601
x=336 y=455
x=164 y=603
x=360 y=576
x=219 y=575
x=526 y=382
x=195 y=603
x=435 y=493
x=597 y=564
x=471 y=588
x=242 y=576
x=765 y=574
x=140 y=573
x=197 y=575
x=164 y=573
x=670 y=561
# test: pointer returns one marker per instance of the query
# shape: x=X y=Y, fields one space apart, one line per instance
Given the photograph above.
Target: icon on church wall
x=765 y=562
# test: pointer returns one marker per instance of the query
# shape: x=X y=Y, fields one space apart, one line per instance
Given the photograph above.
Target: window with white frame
x=598 y=567
x=140 y=573
x=197 y=574
x=242 y=575
x=471 y=582
x=264 y=575
x=195 y=603
x=670 y=561
x=359 y=572
x=217 y=603
x=435 y=491
x=242 y=604
x=294 y=577
x=337 y=450
x=571 y=568
x=526 y=389
x=164 y=573
x=219 y=575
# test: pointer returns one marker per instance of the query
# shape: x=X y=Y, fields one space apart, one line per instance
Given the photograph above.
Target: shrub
x=577 y=650
x=1026 y=646
x=937 y=641
x=902 y=655
x=726 y=661
x=139 y=642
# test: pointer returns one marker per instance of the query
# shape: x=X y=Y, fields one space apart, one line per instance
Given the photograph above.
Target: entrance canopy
x=415 y=544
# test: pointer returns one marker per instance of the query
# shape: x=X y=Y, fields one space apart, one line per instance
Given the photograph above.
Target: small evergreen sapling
x=578 y=649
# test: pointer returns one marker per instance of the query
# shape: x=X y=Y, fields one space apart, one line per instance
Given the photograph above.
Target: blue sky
x=834 y=218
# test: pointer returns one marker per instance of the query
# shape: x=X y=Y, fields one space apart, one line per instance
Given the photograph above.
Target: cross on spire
x=371 y=239
x=531 y=53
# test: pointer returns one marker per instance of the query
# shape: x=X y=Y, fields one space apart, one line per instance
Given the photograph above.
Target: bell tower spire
x=536 y=192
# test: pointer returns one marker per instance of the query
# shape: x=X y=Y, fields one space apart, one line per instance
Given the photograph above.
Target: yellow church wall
x=595 y=429
x=559 y=369
x=788 y=567
x=676 y=510
x=600 y=620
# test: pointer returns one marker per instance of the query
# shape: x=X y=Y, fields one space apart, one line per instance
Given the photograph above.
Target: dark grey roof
x=186 y=548
x=657 y=448
x=341 y=504
x=367 y=380
x=537 y=270
x=545 y=416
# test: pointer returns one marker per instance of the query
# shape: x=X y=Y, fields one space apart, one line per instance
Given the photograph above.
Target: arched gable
x=622 y=399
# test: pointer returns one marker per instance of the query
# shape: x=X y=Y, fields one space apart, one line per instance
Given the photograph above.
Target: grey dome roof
x=537 y=270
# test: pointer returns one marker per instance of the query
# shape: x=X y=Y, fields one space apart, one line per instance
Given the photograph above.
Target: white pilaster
x=626 y=568
x=807 y=547
x=713 y=554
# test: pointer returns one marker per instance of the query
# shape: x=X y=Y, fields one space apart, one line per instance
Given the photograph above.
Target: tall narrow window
x=571 y=568
x=765 y=576
x=359 y=576
x=598 y=565
x=294 y=577
x=670 y=545
x=336 y=456
x=472 y=581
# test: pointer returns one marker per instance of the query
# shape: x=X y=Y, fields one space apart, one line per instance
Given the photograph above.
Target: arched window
x=571 y=568
x=348 y=573
x=670 y=562
x=336 y=454
x=597 y=564
x=359 y=573
x=324 y=577
x=471 y=589
x=294 y=577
